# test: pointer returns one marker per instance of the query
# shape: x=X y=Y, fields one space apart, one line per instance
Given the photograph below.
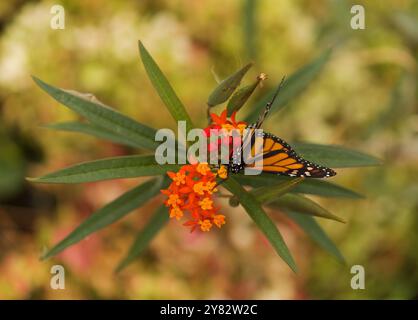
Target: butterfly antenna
x=269 y=104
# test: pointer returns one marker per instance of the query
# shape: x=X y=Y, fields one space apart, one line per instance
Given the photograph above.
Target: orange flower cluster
x=222 y=122
x=220 y=133
x=191 y=191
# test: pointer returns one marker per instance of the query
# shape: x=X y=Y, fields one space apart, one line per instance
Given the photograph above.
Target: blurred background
x=365 y=99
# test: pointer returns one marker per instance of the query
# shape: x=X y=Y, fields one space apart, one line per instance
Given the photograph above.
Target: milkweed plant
x=189 y=186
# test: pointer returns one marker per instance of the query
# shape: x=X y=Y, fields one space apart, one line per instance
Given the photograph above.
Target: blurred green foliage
x=365 y=98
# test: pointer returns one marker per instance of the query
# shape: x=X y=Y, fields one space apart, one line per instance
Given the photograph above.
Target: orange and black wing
x=278 y=157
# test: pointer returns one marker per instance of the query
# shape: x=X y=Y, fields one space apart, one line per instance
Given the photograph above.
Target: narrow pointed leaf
x=334 y=156
x=227 y=87
x=106 y=169
x=266 y=225
x=315 y=231
x=109 y=214
x=94 y=131
x=278 y=195
x=145 y=236
x=293 y=87
x=250 y=10
x=240 y=97
x=164 y=88
x=103 y=116
x=271 y=193
x=309 y=186
x=304 y=205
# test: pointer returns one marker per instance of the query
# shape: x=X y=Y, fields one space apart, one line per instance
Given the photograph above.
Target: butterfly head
x=236 y=168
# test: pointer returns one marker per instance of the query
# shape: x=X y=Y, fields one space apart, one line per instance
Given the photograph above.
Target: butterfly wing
x=278 y=157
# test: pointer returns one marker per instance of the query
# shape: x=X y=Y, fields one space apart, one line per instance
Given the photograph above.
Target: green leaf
x=227 y=87
x=334 y=156
x=12 y=166
x=266 y=225
x=144 y=237
x=94 y=131
x=314 y=230
x=102 y=115
x=250 y=10
x=406 y=24
x=163 y=88
x=309 y=186
x=108 y=168
x=304 y=205
x=240 y=97
x=109 y=214
x=270 y=193
x=294 y=86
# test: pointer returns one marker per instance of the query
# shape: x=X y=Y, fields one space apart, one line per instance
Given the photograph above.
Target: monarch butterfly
x=277 y=155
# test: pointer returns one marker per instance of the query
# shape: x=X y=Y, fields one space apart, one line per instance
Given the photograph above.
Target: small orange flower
x=235 y=123
x=219 y=220
x=199 y=188
x=210 y=187
x=241 y=127
x=221 y=122
x=173 y=200
x=179 y=177
x=205 y=225
x=203 y=168
x=176 y=212
x=228 y=127
x=222 y=172
x=206 y=204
